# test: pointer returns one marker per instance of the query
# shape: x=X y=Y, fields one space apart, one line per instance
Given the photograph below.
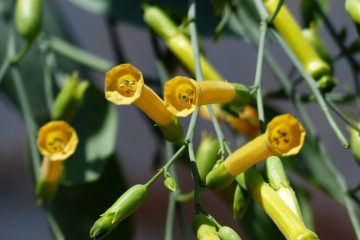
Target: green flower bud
x=28 y=18
x=127 y=204
x=355 y=144
x=204 y=228
x=170 y=183
x=218 y=177
x=353 y=9
x=227 y=233
x=206 y=155
x=69 y=98
x=240 y=203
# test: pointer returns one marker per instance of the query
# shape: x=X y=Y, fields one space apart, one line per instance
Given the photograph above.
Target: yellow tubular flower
x=57 y=141
x=177 y=42
x=284 y=136
x=124 y=85
x=289 y=29
x=183 y=95
x=288 y=223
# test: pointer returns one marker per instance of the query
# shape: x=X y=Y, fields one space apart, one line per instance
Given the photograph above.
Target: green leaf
x=77 y=207
x=95 y=124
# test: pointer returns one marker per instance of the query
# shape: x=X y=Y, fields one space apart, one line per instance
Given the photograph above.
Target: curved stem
x=23 y=51
x=172 y=199
x=344 y=117
x=80 y=56
x=29 y=120
x=56 y=230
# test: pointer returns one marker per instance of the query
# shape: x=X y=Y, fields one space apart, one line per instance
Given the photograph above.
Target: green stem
x=23 y=51
x=219 y=133
x=56 y=230
x=185 y=197
x=344 y=117
x=167 y=165
x=3 y=69
x=172 y=199
x=184 y=229
x=31 y=127
x=314 y=88
x=80 y=56
x=49 y=96
x=257 y=82
x=352 y=62
x=192 y=125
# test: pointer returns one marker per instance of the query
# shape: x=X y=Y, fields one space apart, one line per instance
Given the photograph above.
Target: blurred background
x=21 y=218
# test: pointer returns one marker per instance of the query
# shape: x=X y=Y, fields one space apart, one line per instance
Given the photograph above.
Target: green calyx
x=173 y=131
x=243 y=94
x=218 y=177
x=227 y=233
x=46 y=191
x=206 y=155
x=240 y=203
x=127 y=204
x=326 y=83
x=355 y=144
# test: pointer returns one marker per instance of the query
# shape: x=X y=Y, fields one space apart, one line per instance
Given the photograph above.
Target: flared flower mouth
x=57 y=140
x=181 y=95
x=123 y=84
x=285 y=135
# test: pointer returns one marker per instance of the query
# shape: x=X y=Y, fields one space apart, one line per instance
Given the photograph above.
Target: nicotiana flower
x=57 y=141
x=183 y=95
x=284 y=136
x=124 y=85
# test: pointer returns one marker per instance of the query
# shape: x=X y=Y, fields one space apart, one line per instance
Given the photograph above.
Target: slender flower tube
x=288 y=28
x=183 y=95
x=124 y=85
x=284 y=136
x=57 y=141
x=284 y=218
x=177 y=42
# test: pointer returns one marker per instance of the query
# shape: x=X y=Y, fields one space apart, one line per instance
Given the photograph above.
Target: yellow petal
x=123 y=84
x=285 y=135
x=181 y=95
x=57 y=140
